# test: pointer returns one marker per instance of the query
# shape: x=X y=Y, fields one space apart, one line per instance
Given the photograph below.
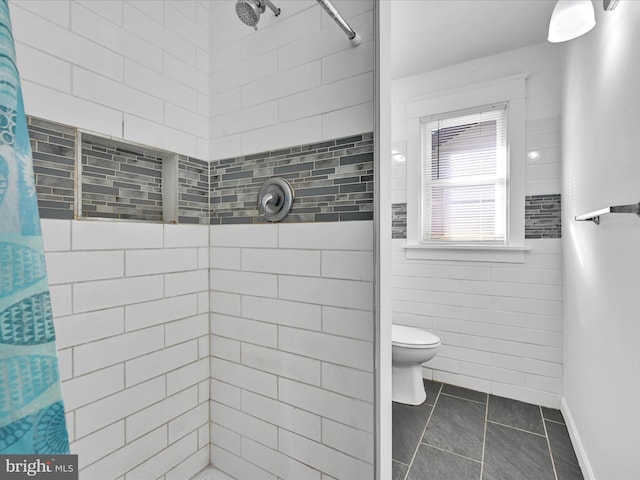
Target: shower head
x=249 y=11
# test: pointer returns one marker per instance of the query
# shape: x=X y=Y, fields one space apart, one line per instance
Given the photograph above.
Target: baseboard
x=587 y=471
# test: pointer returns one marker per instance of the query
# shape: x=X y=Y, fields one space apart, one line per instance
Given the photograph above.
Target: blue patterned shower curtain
x=32 y=419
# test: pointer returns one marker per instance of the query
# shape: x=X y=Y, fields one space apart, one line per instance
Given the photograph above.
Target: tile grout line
x=450 y=453
x=463 y=398
x=484 y=438
x=415 y=452
x=546 y=435
x=516 y=428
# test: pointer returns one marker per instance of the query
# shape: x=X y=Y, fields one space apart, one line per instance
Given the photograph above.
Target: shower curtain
x=32 y=419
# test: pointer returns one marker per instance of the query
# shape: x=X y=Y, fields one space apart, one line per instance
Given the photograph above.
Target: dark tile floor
x=460 y=434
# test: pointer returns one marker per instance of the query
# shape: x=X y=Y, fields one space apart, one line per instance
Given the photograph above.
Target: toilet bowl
x=410 y=348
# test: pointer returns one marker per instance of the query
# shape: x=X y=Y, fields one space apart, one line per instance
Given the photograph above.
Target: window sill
x=468 y=253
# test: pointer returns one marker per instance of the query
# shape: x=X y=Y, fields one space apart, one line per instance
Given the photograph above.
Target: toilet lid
x=411 y=336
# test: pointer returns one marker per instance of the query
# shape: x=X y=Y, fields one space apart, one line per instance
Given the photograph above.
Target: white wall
x=601 y=168
x=292 y=350
x=500 y=323
x=137 y=70
x=296 y=80
x=130 y=303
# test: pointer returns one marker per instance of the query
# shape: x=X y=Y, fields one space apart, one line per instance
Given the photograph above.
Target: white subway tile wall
x=134 y=345
x=134 y=70
x=297 y=80
x=292 y=350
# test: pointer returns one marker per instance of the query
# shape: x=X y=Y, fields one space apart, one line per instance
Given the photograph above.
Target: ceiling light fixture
x=572 y=18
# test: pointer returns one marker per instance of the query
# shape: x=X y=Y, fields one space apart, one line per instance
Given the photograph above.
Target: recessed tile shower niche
x=124 y=181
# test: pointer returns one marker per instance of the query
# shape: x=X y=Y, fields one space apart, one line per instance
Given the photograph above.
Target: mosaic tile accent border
x=332 y=181
x=399 y=220
x=54 y=159
x=543 y=216
x=119 y=183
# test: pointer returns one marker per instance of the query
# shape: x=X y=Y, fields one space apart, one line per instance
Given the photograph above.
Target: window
x=464 y=176
x=465 y=173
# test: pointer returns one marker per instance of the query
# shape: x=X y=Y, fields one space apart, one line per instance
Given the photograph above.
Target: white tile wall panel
x=348 y=265
x=323 y=458
x=65 y=363
x=111 y=293
x=160 y=413
x=104 y=32
x=115 y=407
x=88 y=327
x=542 y=322
x=44 y=102
x=102 y=353
x=226 y=101
x=292 y=262
x=186 y=120
x=114 y=94
x=277 y=463
x=155 y=32
x=31 y=63
x=281 y=363
x=248 y=283
x=249 y=236
x=144 y=78
x=184 y=71
x=525 y=394
x=347 y=121
x=70 y=267
x=154 y=10
x=67 y=45
x=186 y=282
x=340 y=350
x=181 y=19
x=98 y=444
x=327 y=236
x=238 y=74
x=189 y=375
x=349 y=411
x=186 y=236
x=283 y=415
x=86 y=389
x=189 y=422
x=147 y=262
x=245 y=425
x=189 y=467
x=225 y=438
x=334 y=96
x=298 y=132
x=348 y=440
x=168 y=458
x=348 y=63
x=528 y=275
x=225 y=393
x=141 y=315
x=55 y=11
x=104 y=8
x=115 y=236
x=245 y=120
x=282 y=84
x=227 y=303
x=225 y=348
x=544 y=383
x=61 y=300
x=56 y=234
x=186 y=329
x=348 y=323
x=326 y=291
x=203 y=258
x=163 y=361
x=244 y=377
x=282 y=312
x=228 y=462
x=244 y=330
x=128 y=457
x=347 y=381
x=144 y=131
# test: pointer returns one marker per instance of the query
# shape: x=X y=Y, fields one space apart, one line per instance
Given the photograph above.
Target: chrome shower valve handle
x=275 y=199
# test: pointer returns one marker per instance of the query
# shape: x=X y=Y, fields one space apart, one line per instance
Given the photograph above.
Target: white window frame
x=510 y=91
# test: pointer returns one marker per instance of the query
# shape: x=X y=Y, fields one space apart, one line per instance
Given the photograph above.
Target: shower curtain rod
x=333 y=13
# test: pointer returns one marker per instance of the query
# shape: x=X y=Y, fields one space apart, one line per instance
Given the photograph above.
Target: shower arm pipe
x=272 y=7
x=333 y=13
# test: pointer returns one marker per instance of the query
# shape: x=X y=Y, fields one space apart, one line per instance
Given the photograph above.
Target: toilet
x=410 y=348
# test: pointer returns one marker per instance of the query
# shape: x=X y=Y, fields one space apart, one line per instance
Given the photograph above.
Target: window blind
x=464 y=177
